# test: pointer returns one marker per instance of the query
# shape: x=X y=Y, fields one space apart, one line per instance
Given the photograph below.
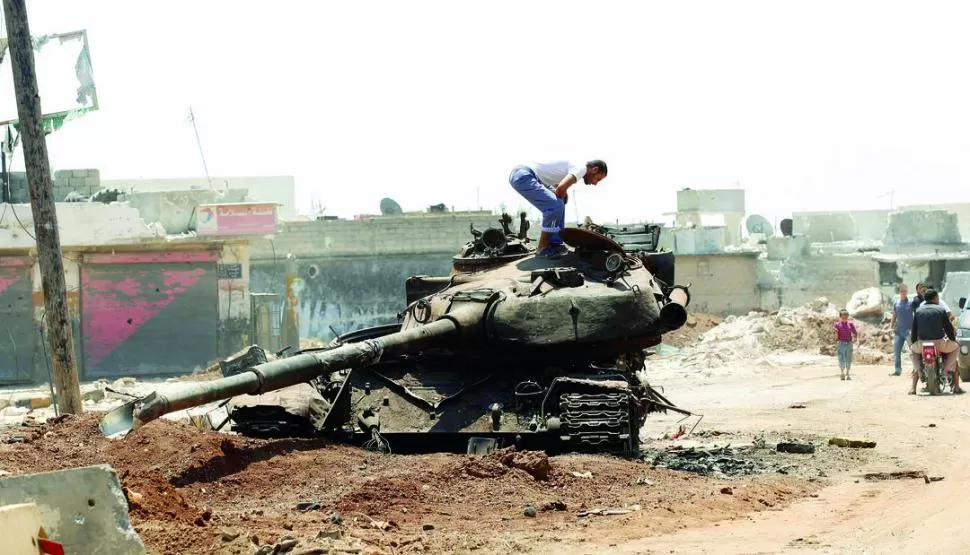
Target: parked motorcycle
x=936 y=378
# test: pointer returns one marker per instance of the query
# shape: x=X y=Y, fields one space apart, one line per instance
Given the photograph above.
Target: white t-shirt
x=551 y=173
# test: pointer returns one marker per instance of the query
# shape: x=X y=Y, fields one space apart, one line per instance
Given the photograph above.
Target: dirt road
x=852 y=515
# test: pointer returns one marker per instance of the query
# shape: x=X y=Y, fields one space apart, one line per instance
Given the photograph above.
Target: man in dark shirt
x=918 y=299
x=930 y=323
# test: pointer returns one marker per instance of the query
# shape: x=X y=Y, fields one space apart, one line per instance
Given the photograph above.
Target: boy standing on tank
x=845 y=334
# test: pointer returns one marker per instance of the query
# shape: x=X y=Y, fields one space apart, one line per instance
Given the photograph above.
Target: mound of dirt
x=499 y=462
x=697 y=324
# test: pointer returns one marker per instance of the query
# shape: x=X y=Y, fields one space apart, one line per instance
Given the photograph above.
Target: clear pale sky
x=807 y=105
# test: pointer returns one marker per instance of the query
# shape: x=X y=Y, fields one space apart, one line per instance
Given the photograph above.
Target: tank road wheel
x=600 y=422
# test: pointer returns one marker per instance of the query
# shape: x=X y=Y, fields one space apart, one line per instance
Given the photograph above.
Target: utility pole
x=42 y=205
x=198 y=141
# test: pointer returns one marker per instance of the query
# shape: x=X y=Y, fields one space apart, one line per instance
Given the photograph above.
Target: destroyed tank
x=509 y=349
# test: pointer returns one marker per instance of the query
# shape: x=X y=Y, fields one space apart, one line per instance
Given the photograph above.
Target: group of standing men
x=924 y=318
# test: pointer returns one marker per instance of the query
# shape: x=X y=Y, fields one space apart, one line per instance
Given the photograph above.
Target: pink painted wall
x=236 y=219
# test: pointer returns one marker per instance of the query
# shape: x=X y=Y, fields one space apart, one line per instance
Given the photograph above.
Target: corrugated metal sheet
x=17 y=331
x=148 y=314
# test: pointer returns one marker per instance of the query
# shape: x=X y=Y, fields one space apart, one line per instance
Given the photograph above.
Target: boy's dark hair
x=843 y=312
x=920 y=284
x=598 y=164
x=930 y=295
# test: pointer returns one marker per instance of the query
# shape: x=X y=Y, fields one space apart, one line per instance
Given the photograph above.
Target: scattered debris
x=584 y=474
x=717 y=461
x=529 y=511
x=608 y=512
x=554 y=506
x=643 y=481
x=801 y=448
x=897 y=475
x=229 y=535
x=852 y=443
x=334 y=534
x=798 y=406
x=727 y=491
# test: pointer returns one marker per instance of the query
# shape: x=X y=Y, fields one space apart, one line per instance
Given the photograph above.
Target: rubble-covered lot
x=766 y=338
x=194 y=492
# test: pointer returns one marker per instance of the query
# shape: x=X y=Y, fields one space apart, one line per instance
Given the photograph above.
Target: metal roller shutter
x=17 y=330
x=148 y=313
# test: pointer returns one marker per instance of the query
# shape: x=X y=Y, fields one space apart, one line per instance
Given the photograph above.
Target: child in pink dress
x=845 y=334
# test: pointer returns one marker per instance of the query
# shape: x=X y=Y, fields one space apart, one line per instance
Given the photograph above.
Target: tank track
x=597 y=422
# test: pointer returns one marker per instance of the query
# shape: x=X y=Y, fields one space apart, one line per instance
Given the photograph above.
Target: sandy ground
x=850 y=515
x=194 y=492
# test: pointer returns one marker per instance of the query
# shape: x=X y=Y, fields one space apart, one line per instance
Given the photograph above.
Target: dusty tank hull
x=508 y=349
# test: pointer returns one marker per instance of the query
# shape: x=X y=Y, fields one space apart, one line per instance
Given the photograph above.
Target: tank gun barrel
x=277 y=374
x=673 y=315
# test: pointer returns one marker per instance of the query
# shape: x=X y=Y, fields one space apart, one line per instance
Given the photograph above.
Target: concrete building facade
x=695 y=205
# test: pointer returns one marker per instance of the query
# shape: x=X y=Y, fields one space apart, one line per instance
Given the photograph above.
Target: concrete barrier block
x=84 y=508
x=20 y=526
x=31 y=400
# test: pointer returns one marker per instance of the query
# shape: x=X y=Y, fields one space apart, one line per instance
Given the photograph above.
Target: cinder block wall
x=83 y=181
x=807 y=278
x=386 y=235
x=721 y=283
x=352 y=273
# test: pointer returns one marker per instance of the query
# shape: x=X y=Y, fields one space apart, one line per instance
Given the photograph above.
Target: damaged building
x=135 y=290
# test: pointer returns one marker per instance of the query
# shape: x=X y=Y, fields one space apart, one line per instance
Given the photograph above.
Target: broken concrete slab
x=31 y=400
x=82 y=508
x=852 y=443
x=801 y=448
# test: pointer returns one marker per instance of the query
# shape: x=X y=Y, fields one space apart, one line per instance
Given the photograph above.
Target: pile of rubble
x=759 y=337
